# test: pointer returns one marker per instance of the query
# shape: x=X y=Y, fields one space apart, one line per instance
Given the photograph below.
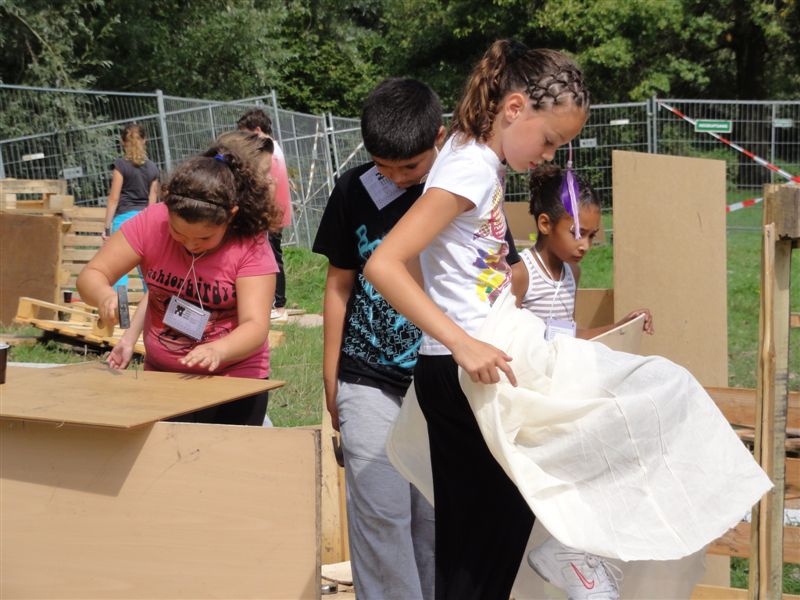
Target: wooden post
x=781 y=225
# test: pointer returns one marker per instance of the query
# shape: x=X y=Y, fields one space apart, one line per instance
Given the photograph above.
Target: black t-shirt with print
x=379 y=345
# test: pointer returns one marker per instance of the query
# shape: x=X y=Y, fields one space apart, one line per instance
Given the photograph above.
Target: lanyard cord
x=558 y=283
x=194 y=277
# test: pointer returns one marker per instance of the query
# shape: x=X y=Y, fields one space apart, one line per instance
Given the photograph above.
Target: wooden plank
x=95 y=213
x=766 y=564
x=75 y=255
x=739 y=406
x=82 y=241
x=97 y=395
x=175 y=510
x=794 y=320
x=333 y=512
x=33 y=186
x=668 y=211
x=736 y=542
x=783 y=209
x=29 y=262
x=712 y=592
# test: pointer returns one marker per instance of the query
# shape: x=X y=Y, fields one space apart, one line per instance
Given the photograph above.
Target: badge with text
x=186 y=318
x=556 y=327
x=381 y=189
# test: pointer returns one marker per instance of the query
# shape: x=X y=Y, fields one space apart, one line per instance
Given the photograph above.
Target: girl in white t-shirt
x=518 y=107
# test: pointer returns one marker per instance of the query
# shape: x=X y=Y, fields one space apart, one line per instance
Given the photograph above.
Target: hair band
x=569 y=194
x=219 y=157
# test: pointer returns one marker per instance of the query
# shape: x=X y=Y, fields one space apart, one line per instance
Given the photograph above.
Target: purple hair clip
x=569 y=194
x=219 y=157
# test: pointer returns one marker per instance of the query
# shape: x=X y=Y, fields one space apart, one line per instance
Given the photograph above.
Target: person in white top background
x=518 y=107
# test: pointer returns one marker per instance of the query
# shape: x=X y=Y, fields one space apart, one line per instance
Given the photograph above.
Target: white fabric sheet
x=619 y=455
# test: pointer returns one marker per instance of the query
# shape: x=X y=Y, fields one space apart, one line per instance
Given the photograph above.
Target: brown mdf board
x=30 y=255
x=624 y=338
x=173 y=510
x=594 y=307
x=93 y=394
x=670 y=257
x=523 y=226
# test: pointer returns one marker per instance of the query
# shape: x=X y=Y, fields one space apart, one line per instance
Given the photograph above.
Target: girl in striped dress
x=545 y=282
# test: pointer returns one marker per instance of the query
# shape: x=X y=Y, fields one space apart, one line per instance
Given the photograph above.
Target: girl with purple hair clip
x=545 y=281
x=567 y=214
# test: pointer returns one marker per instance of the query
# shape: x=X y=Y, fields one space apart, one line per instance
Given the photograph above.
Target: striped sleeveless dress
x=545 y=298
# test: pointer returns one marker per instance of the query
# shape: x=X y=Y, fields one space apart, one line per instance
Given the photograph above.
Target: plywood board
x=174 y=510
x=670 y=256
x=594 y=307
x=523 y=226
x=625 y=338
x=93 y=394
x=26 y=268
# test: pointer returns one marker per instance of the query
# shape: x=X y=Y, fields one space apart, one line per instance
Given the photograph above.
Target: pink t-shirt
x=282 y=194
x=165 y=264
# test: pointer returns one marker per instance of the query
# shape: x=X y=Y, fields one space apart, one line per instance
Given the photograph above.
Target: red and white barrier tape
x=742 y=204
x=737 y=147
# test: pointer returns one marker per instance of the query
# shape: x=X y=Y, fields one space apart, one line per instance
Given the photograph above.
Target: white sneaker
x=279 y=315
x=582 y=576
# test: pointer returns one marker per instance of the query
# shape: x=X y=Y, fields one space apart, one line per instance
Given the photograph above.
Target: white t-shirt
x=464 y=268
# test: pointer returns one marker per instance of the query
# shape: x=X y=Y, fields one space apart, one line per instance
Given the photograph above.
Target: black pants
x=249 y=410
x=280 y=283
x=482 y=521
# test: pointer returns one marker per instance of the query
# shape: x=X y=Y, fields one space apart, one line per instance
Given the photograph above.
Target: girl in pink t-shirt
x=209 y=271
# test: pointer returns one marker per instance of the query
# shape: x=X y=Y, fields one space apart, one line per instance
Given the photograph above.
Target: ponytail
x=133 y=143
x=548 y=77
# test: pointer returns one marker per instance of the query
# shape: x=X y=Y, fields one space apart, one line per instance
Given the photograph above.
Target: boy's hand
x=207 y=355
x=120 y=355
x=481 y=361
x=333 y=411
x=648 y=319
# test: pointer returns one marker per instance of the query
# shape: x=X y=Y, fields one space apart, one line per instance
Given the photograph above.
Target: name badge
x=556 y=327
x=186 y=318
x=381 y=189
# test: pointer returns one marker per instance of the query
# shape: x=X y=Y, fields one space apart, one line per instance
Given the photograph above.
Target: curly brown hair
x=549 y=77
x=133 y=143
x=205 y=188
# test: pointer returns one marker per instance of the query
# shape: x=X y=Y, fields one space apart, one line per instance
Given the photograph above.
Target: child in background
x=256 y=121
x=369 y=349
x=518 y=107
x=134 y=183
x=203 y=251
x=541 y=282
x=545 y=282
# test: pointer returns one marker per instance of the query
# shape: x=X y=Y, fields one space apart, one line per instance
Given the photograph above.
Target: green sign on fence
x=713 y=126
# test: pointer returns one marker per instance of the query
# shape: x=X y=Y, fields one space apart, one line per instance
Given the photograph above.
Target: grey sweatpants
x=390 y=524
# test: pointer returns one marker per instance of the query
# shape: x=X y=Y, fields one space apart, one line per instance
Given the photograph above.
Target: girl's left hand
x=207 y=355
x=648 y=319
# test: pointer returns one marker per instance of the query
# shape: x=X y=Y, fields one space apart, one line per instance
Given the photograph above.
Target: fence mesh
x=81 y=140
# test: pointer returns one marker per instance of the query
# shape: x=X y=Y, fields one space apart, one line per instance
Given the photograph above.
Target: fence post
x=2 y=168
x=654 y=133
x=772 y=141
x=277 y=128
x=162 y=124
x=211 y=122
x=330 y=129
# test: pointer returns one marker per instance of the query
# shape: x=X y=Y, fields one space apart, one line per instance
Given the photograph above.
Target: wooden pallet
x=84 y=325
x=38 y=194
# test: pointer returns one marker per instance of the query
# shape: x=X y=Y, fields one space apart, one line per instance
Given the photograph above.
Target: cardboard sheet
x=670 y=256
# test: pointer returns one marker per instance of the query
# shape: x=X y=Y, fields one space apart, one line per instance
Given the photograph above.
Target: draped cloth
x=617 y=454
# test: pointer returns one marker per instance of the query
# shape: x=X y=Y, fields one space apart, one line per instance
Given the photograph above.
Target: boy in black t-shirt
x=370 y=350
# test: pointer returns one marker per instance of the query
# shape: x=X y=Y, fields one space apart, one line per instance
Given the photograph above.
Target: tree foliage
x=325 y=55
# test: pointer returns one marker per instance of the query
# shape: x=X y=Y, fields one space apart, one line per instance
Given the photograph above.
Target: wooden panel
x=783 y=209
x=669 y=212
x=174 y=510
x=94 y=394
x=594 y=307
x=625 y=338
x=736 y=542
x=334 y=544
x=33 y=186
x=26 y=268
x=523 y=227
x=739 y=405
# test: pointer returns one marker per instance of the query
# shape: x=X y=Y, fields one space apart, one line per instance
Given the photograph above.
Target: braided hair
x=544 y=184
x=548 y=77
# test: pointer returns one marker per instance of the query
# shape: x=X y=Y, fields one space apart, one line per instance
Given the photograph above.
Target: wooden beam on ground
x=736 y=542
x=739 y=406
x=713 y=592
x=794 y=320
